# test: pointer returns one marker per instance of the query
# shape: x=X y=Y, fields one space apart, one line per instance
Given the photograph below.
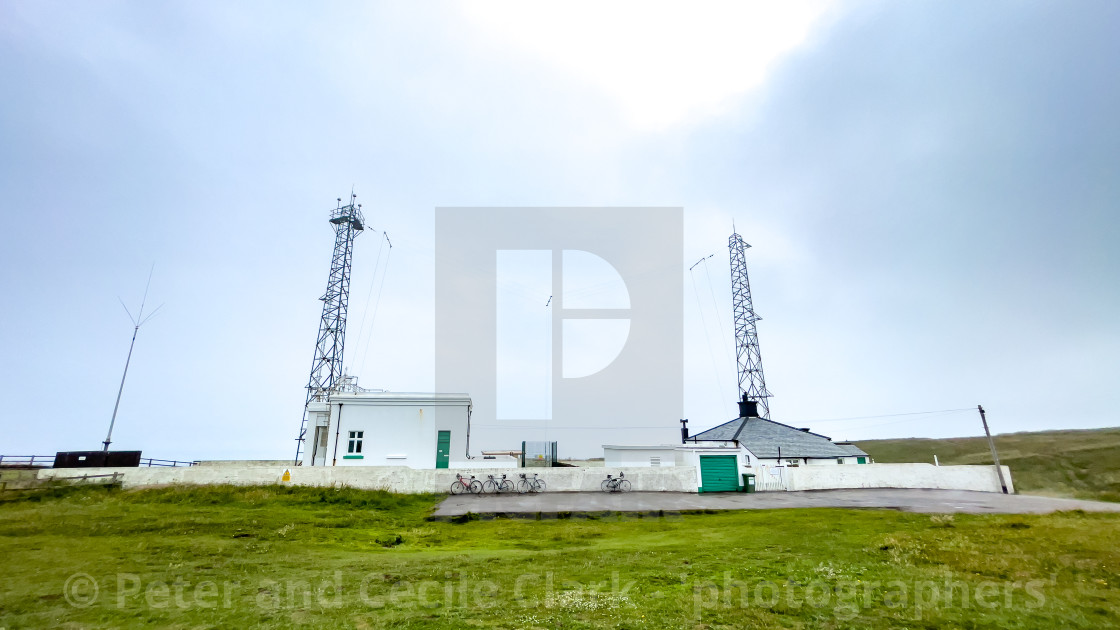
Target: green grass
x=210 y=557
x=1084 y=464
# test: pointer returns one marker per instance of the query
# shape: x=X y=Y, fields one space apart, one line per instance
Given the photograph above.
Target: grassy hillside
x=278 y=557
x=1083 y=464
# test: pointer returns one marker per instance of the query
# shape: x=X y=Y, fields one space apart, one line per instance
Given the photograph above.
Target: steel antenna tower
x=752 y=383
x=326 y=367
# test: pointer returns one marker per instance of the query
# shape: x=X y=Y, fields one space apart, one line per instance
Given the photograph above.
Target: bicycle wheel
x=489 y=487
x=539 y=485
x=476 y=487
x=624 y=485
x=505 y=486
x=522 y=486
x=458 y=487
x=605 y=486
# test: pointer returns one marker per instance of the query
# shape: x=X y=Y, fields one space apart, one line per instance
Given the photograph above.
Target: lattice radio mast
x=752 y=383
x=326 y=367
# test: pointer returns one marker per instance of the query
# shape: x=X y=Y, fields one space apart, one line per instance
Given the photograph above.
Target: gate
x=771 y=479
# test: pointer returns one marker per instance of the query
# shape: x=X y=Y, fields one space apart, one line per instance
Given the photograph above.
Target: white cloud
x=660 y=62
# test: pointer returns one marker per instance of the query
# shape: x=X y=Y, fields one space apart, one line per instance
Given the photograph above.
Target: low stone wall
x=981 y=478
x=395 y=479
x=481 y=463
x=244 y=462
x=577 y=479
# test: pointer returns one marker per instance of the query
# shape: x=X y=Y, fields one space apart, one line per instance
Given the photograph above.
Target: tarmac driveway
x=907 y=500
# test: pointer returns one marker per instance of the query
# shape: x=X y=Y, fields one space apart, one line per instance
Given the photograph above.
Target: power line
x=377 y=304
x=800 y=422
x=889 y=415
x=369 y=294
x=552 y=427
x=715 y=305
x=704 y=324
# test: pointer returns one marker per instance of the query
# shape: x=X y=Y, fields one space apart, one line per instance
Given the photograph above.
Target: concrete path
x=907 y=500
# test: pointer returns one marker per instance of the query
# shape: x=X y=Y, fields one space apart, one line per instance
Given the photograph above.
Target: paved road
x=926 y=501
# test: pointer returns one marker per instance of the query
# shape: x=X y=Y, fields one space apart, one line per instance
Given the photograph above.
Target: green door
x=719 y=473
x=443 y=449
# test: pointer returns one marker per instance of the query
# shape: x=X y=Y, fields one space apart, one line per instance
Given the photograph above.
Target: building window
x=861 y=460
x=839 y=460
x=355 y=444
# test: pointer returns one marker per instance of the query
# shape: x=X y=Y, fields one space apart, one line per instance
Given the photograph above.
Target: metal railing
x=40 y=461
x=85 y=478
x=171 y=463
x=34 y=485
x=47 y=461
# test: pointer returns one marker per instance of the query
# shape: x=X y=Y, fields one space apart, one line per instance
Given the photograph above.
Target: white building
x=748 y=444
x=770 y=443
x=369 y=428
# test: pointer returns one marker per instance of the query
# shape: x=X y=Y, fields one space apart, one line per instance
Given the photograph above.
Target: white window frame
x=354 y=442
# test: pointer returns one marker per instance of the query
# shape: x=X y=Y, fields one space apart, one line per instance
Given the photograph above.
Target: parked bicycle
x=616 y=484
x=530 y=484
x=462 y=484
x=492 y=485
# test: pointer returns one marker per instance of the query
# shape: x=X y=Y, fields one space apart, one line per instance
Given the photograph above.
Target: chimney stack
x=748 y=408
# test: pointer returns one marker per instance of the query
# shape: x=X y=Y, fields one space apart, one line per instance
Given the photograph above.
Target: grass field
x=1084 y=464
x=210 y=557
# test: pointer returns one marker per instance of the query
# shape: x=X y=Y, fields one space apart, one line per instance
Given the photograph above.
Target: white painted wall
x=398 y=429
x=814 y=461
x=679 y=478
x=395 y=479
x=982 y=478
x=500 y=462
x=689 y=455
x=614 y=456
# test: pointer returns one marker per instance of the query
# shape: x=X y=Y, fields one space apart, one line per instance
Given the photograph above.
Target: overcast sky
x=931 y=191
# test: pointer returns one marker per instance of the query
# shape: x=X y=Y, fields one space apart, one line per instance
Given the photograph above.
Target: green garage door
x=719 y=473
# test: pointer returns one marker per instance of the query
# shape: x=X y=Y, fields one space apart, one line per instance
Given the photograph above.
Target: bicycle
x=497 y=486
x=461 y=485
x=535 y=484
x=617 y=484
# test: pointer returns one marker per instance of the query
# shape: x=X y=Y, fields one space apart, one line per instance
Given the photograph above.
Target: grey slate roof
x=851 y=448
x=764 y=438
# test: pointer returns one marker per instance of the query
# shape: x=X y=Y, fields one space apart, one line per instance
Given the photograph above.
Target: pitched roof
x=851 y=448
x=766 y=438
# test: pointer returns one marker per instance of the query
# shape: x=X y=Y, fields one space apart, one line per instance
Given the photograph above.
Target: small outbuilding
x=376 y=428
x=747 y=444
x=775 y=444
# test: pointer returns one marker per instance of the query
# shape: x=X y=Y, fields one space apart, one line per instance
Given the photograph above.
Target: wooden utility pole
x=992 y=443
